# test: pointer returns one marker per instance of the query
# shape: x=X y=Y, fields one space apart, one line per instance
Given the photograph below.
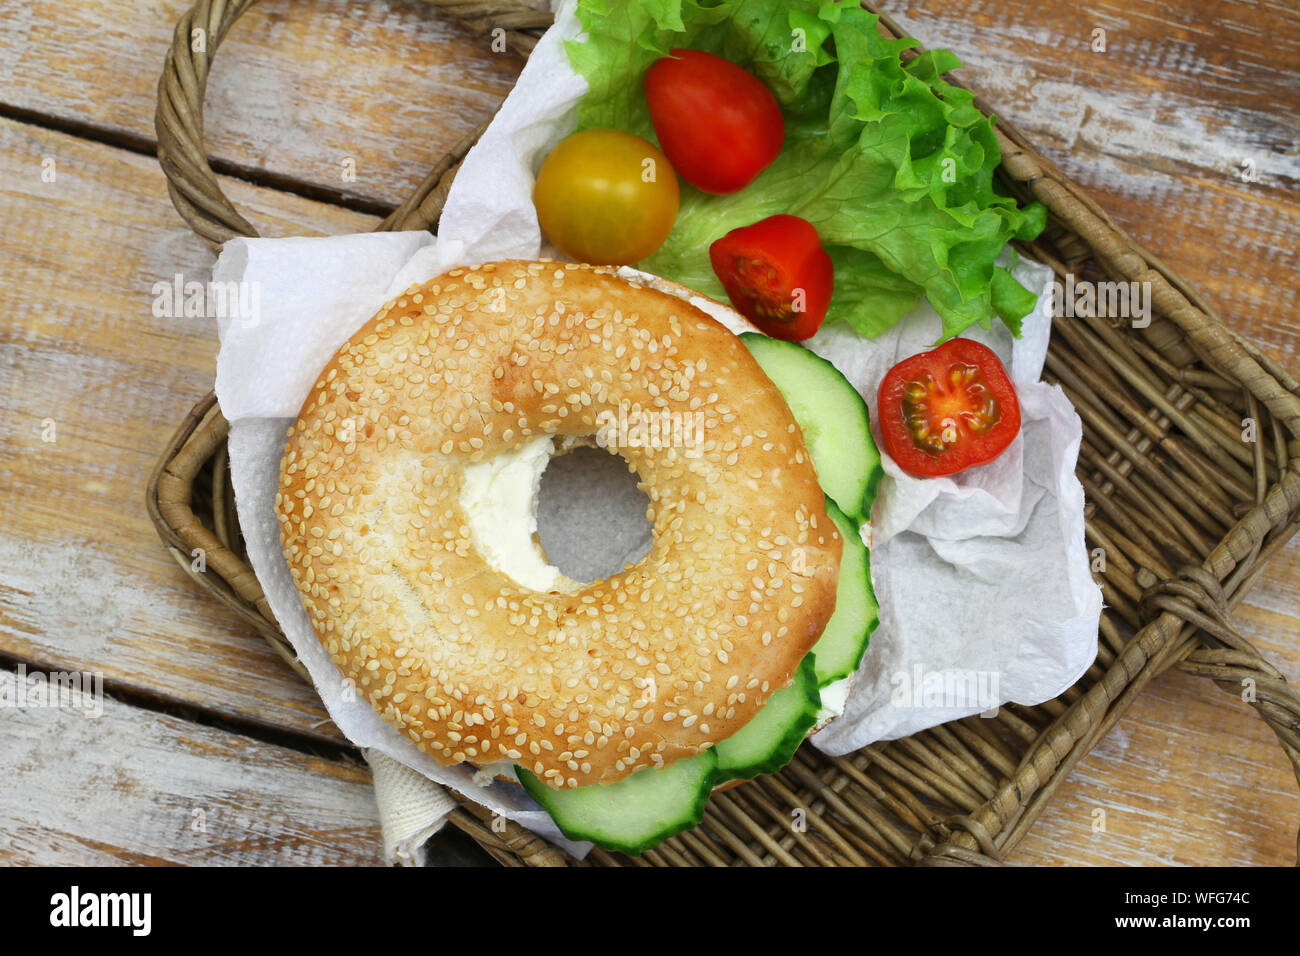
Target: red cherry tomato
x=777 y=275
x=718 y=124
x=948 y=409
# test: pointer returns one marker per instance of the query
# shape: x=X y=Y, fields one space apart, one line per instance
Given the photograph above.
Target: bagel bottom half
x=580 y=683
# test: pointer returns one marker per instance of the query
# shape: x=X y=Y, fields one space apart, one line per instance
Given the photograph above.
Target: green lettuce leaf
x=891 y=164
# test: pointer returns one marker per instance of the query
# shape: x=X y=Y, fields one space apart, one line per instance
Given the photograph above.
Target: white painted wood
x=296 y=88
x=133 y=786
x=84 y=580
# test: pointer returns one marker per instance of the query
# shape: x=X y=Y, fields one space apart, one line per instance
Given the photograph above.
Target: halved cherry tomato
x=948 y=409
x=777 y=275
x=718 y=123
x=606 y=196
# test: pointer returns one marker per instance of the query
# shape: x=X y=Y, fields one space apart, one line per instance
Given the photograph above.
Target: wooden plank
x=1190 y=776
x=1269 y=617
x=297 y=89
x=85 y=583
x=133 y=786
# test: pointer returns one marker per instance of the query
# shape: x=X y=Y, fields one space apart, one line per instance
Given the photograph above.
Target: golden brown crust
x=643 y=668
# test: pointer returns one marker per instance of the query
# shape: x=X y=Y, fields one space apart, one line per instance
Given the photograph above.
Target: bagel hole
x=591 y=516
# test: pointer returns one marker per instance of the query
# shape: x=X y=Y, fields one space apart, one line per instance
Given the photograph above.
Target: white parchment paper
x=983 y=578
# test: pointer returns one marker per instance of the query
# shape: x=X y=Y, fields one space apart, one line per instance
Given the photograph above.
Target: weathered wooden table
x=209 y=749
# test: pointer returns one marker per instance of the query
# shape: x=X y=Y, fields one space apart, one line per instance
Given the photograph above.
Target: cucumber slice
x=768 y=742
x=839 y=650
x=652 y=804
x=636 y=812
x=834 y=418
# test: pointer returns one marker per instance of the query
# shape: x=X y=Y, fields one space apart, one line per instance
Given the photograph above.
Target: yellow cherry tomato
x=606 y=197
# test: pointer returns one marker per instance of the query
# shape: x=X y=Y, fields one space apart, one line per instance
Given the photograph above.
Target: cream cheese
x=834 y=698
x=499 y=498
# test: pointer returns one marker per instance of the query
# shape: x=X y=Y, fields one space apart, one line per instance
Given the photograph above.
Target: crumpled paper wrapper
x=982 y=578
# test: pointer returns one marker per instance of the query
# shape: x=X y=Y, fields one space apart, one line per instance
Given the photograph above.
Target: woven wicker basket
x=1186 y=512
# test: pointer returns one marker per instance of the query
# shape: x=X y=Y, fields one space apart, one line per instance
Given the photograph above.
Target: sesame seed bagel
x=580 y=683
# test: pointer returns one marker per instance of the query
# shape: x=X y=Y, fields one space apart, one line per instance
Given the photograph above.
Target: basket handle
x=178 y=119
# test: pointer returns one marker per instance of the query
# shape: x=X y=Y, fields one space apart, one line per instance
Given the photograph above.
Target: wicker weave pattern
x=1186 y=512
